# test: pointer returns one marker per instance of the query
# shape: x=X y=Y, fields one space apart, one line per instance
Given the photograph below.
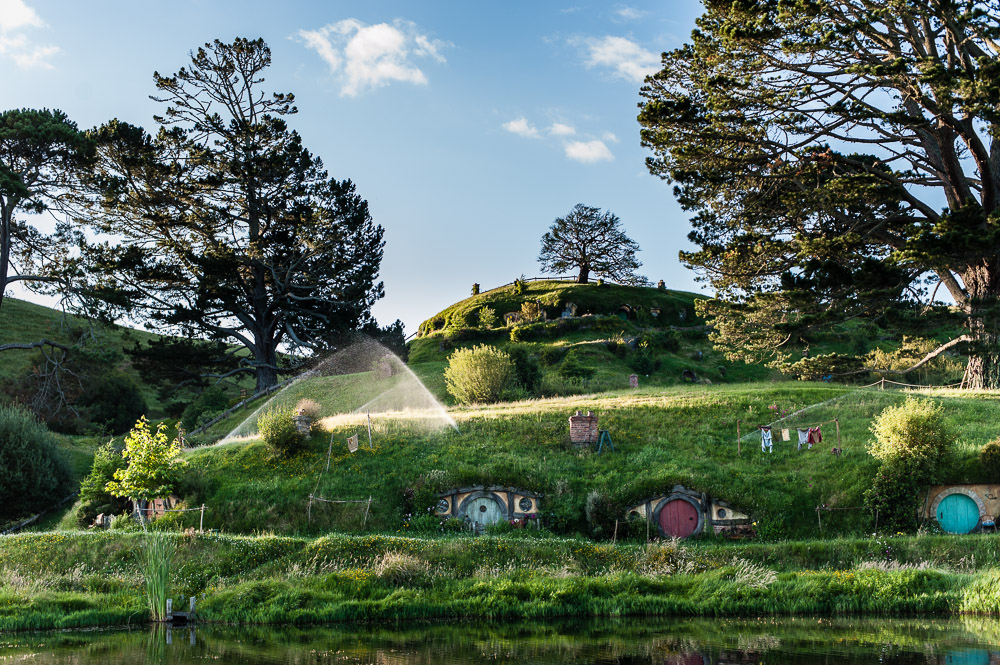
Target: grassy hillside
x=617 y=331
x=682 y=435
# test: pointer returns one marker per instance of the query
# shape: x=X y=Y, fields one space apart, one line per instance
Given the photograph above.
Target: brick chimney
x=583 y=428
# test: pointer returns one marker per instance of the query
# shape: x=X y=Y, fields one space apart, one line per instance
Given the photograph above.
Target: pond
x=799 y=641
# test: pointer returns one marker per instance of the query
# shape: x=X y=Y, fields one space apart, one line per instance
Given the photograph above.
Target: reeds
x=155 y=556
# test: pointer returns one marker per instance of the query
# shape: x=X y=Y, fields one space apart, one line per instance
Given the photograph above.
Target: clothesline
x=319 y=498
x=825 y=422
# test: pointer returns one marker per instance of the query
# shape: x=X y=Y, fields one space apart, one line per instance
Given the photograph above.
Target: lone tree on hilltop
x=225 y=227
x=590 y=241
x=815 y=143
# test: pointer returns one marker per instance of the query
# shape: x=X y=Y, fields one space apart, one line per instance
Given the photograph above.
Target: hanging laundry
x=815 y=436
x=765 y=439
x=803 y=436
x=784 y=434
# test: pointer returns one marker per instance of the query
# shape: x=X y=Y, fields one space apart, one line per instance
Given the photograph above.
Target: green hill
x=615 y=331
x=663 y=437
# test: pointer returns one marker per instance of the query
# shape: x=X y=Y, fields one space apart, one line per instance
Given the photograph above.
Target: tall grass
x=155 y=557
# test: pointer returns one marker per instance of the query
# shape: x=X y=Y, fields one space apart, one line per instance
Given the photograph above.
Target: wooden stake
x=739 y=452
x=191 y=613
x=329 y=452
x=371 y=446
x=836 y=421
x=819 y=519
x=368 y=508
x=614 y=538
x=201 y=527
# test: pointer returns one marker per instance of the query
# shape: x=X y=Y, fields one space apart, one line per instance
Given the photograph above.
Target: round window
x=722 y=513
x=524 y=504
x=443 y=506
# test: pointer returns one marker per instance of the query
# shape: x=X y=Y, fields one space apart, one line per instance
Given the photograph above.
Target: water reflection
x=969 y=641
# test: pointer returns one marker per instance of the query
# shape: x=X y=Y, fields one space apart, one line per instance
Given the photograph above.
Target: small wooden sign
x=352 y=443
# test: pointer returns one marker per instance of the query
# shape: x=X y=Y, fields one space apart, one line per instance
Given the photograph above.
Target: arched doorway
x=957 y=513
x=482 y=509
x=678 y=518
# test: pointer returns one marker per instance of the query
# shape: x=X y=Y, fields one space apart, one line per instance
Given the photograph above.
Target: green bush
x=114 y=401
x=916 y=431
x=210 y=402
x=989 y=457
x=572 y=367
x=895 y=497
x=94 y=496
x=481 y=374
x=277 y=429
x=527 y=371
x=487 y=318
x=33 y=475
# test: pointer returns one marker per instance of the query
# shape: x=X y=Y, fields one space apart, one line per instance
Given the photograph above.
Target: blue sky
x=468 y=126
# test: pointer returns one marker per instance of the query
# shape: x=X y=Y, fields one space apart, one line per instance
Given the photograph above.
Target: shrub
x=480 y=374
x=527 y=371
x=277 y=429
x=114 y=401
x=601 y=515
x=551 y=355
x=95 y=498
x=989 y=457
x=643 y=361
x=916 y=431
x=32 y=473
x=154 y=465
x=487 y=318
x=530 y=311
x=210 y=402
x=308 y=408
x=895 y=496
x=572 y=367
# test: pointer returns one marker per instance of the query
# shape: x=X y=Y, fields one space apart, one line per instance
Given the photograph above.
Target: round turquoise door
x=958 y=513
x=483 y=512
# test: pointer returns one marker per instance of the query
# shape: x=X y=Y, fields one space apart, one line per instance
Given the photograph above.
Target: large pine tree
x=842 y=161
x=224 y=226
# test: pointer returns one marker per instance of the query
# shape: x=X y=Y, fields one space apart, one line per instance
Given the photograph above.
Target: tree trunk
x=983 y=369
x=266 y=372
x=584 y=276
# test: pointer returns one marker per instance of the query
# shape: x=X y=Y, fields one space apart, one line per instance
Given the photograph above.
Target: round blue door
x=958 y=513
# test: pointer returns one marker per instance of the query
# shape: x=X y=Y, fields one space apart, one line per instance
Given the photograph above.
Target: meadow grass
x=663 y=437
x=61 y=580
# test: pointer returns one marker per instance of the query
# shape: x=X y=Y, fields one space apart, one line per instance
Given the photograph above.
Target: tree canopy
x=41 y=155
x=224 y=225
x=590 y=241
x=841 y=159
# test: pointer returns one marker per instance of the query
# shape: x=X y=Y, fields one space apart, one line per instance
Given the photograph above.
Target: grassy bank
x=62 y=580
x=663 y=437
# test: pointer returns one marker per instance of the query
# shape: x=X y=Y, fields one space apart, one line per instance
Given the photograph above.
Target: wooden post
x=329 y=452
x=191 y=613
x=739 y=452
x=201 y=527
x=614 y=538
x=883 y=384
x=836 y=421
x=170 y=609
x=819 y=519
x=309 y=508
x=647 y=528
x=367 y=509
x=371 y=446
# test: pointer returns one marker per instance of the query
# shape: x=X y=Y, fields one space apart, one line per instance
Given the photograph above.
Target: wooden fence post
x=739 y=452
x=201 y=527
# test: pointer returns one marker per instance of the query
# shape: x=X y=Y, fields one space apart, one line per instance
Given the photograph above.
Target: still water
x=964 y=641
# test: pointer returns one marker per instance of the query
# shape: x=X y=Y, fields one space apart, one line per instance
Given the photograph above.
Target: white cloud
x=15 y=18
x=610 y=137
x=15 y=15
x=628 y=60
x=522 y=127
x=561 y=129
x=630 y=13
x=589 y=152
x=366 y=57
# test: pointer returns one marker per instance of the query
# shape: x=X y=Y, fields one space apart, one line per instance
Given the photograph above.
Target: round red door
x=678 y=519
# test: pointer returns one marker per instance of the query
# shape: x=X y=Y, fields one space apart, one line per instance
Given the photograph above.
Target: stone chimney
x=583 y=428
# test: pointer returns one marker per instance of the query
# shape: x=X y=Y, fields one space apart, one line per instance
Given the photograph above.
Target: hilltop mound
x=583 y=337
